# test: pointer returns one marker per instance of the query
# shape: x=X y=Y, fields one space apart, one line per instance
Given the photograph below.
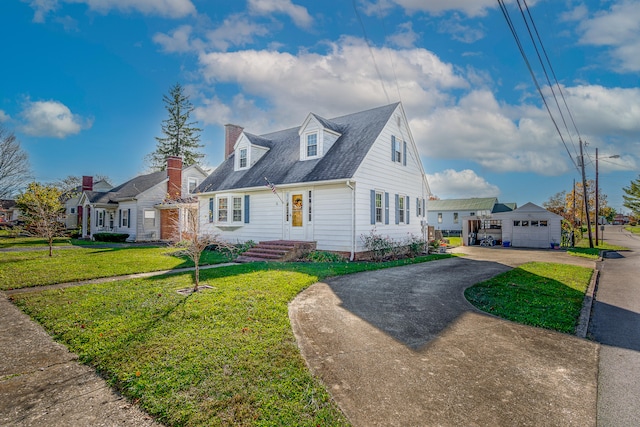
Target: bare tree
x=14 y=164
x=188 y=237
x=42 y=211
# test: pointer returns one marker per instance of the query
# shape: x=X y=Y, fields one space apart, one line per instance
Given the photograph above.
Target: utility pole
x=597 y=202
x=586 y=200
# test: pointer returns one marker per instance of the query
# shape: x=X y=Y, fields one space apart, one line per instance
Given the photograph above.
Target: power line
x=512 y=28
x=544 y=69
x=366 y=39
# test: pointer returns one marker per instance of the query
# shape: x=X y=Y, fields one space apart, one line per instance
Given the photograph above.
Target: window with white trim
x=193 y=183
x=401 y=209
x=379 y=207
x=242 y=162
x=397 y=150
x=149 y=219
x=223 y=209
x=439 y=217
x=237 y=209
x=312 y=145
x=455 y=217
x=124 y=215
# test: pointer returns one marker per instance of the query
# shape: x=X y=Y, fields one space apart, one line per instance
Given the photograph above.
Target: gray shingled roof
x=129 y=189
x=282 y=164
x=473 y=204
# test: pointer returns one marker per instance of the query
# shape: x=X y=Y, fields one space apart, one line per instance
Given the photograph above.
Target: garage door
x=530 y=234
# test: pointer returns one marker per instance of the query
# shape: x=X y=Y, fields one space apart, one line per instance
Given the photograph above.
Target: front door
x=297 y=222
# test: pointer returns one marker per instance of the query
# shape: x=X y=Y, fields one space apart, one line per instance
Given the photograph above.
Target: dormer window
x=243 y=158
x=312 y=145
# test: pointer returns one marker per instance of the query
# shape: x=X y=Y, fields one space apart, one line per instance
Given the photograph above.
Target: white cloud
x=379 y=8
x=51 y=119
x=452 y=184
x=340 y=81
x=298 y=14
x=619 y=28
x=405 y=37
x=459 y=31
x=235 y=30
x=468 y=7
x=166 y=8
x=4 y=117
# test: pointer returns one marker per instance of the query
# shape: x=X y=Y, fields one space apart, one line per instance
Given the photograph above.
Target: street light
x=615 y=156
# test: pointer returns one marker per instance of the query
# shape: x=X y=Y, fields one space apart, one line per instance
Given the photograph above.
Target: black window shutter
x=373 y=206
x=404 y=153
x=408 y=211
x=119 y=217
x=129 y=218
x=397 y=209
x=246 y=209
x=386 y=208
x=393 y=148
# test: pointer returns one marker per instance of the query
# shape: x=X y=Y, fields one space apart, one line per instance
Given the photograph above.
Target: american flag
x=270 y=185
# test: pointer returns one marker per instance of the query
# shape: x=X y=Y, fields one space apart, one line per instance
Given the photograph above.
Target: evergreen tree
x=181 y=137
x=632 y=197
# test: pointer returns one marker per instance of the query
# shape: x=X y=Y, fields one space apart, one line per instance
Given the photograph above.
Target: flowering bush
x=384 y=247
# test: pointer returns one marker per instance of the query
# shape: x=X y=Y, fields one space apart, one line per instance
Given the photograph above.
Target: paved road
x=615 y=323
x=402 y=347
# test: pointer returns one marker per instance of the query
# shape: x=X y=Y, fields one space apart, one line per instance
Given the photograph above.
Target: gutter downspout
x=353 y=220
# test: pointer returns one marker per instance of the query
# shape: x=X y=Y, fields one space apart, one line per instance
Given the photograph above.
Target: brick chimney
x=231 y=135
x=87 y=183
x=174 y=172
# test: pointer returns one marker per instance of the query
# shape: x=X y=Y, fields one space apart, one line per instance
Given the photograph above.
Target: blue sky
x=82 y=82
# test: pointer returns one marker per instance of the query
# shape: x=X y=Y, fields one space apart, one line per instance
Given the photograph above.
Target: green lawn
x=222 y=356
x=582 y=248
x=6 y=241
x=34 y=268
x=635 y=229
x=538 y=294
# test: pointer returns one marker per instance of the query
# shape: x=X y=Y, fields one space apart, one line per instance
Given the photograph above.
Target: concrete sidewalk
x=403 y=347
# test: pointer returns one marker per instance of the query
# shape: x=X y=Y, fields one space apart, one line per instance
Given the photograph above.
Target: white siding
x=379 y=172
x=190 y=172
x=147 y=200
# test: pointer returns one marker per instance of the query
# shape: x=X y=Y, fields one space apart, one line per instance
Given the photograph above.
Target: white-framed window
x=516 y=223
x=419 y=202
x=402 y=209
x=439 y=217
x=242 y=161
x=223 y=209
x=379 y=207
x=193 y=183
x=237 y=209
x=100 y=215
x=312 y=145
x=455 y=217
x=472 y=214
x=73 y=210
x=543 y=223
x=149 y=219
x=125 y=217
x=397 y=149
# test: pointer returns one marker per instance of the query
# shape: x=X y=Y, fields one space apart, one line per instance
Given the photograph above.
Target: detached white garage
x=530 y=226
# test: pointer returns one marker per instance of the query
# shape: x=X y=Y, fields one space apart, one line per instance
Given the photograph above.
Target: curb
x=587 y=303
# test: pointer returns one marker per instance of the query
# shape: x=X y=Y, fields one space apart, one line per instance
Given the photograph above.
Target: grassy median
x=538 y=294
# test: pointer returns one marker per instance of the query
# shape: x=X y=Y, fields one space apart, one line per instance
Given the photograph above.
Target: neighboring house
x=8 y=210
x=72 y=198
x=328 y=180
x=529 y=226
x=446 y=215
x=141 y=206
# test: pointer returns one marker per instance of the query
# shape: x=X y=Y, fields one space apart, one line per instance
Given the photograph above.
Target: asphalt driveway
x=403 y=347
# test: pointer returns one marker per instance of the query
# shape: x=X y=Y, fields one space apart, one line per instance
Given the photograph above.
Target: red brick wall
x=231 y=135
x=168 y=224
x=174 y=172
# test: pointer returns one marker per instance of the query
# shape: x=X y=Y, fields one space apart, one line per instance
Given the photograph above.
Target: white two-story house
x=331 y=181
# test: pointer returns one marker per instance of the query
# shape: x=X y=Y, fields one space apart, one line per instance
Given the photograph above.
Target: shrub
x=380 y=246
x=414 y=245
x=322 y=256
x=110 y=237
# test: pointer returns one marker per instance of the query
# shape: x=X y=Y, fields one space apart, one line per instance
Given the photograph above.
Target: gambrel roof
x=281 y=164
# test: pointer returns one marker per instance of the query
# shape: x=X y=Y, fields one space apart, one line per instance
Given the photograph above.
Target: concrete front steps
x=277 y=250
